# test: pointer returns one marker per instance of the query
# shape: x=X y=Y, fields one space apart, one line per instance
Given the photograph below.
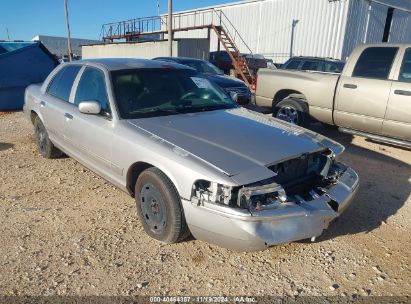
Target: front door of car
x=90 y=135
x=56 y=102
x=397 y=122
x=362 y=97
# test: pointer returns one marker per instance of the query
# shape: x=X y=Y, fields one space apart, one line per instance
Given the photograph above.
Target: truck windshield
x=143 y=93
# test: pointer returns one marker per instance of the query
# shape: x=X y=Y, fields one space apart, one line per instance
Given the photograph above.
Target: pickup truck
x=371 y=97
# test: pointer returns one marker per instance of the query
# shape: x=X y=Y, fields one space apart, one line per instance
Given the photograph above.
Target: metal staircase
x=228 y=36
x=237 y=59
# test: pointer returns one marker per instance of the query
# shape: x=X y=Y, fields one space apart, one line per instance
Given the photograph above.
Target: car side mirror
x=234 y=96
x=89 y=107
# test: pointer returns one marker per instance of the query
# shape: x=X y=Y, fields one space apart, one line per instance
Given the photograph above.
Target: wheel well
x=280 y=95
x=33 y=116
x=133 y=173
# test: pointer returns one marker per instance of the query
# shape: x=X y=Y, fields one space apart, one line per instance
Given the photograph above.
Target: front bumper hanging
x=240 y=229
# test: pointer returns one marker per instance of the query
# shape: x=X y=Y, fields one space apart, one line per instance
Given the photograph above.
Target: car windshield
x=203 y=67
x=143 y=93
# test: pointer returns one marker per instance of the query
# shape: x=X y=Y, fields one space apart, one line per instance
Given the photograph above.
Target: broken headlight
x=251 y=197
x=269 y=196
x=211 y=192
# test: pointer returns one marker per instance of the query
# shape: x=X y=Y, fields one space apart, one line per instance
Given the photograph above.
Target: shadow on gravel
x=384 y=187
x=5 y=146
x=388 y=145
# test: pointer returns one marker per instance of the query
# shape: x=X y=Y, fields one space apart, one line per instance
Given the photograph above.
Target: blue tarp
x=21 y=64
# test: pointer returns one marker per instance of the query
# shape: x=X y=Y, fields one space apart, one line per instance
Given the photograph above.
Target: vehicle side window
x=311 y=66
x=375 y=62
x=60 y=86
x=405 y=72
x=331 y=67
x=293 y=65
x=92 y=86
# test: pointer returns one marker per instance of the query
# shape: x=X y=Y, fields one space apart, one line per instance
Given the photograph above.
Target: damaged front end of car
x=298 y=202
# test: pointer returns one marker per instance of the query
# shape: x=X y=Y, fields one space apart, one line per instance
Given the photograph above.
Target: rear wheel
x=44 y=144
x=293 y=111
x=159 y=207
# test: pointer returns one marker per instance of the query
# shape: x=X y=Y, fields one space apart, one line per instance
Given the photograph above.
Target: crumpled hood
x=235 y=140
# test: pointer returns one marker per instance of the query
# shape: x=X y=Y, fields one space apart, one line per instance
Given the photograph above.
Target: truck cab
x=371 y=97
x=374 y=91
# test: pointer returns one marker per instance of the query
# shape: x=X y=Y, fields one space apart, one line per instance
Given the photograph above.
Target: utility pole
x=70 y=54
x=295 y=21
x=158 y=7
x=170 y=27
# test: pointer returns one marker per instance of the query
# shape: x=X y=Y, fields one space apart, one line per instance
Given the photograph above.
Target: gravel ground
x=66 y=231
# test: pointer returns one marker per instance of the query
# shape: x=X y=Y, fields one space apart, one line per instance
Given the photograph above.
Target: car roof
x=179 y=59
x=115 y=64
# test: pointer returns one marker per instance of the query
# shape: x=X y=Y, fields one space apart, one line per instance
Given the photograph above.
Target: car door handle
x=68 y=116
x=402 y=92
x=350 y=86
x=42 y=104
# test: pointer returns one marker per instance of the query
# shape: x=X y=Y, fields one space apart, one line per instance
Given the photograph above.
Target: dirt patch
x=65 y=231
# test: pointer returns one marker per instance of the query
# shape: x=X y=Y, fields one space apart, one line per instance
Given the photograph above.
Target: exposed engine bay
x=296 y=180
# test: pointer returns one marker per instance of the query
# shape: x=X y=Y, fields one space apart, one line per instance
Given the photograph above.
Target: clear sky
x=28 y=18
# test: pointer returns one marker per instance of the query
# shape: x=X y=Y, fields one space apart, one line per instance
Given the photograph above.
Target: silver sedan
x=193 y=160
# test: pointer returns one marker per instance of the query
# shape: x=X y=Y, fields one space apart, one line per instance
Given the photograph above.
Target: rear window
x=311 y=66
x=333 y=67
x=375 y=62
x=293 y=65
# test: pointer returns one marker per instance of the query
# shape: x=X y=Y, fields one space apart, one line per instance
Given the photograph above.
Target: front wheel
x=293 y=111
x=44 y=144
x=159 y=207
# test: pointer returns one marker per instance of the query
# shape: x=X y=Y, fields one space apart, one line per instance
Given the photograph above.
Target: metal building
x=325 y=28
x=58 y=45
x=194 y=48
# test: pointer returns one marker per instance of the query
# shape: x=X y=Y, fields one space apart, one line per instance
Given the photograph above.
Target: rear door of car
x=56 y=102
x=362 y=95
x=397 y=122
x=90 y=136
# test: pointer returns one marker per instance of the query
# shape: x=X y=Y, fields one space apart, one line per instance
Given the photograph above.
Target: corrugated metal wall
x=325 y=28
x=365 y=24
x=266 y=27
x=58 y=45
x=400 y=27
x=145 y=50
x=194 y=48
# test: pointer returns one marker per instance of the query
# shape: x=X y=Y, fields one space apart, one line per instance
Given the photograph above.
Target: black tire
x=292 y=110
x=159 y=207
x=44 y=144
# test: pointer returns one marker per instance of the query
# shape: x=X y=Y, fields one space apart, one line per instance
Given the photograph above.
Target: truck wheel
x=159 y=207
x=44 y=144
x=293 y=111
